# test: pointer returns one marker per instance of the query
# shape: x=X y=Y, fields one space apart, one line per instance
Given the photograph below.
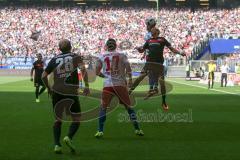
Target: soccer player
x=115 y=67
x=65 y=88
x=150 y=23
x=155 y=45
x=38 y=70
x=211 y=70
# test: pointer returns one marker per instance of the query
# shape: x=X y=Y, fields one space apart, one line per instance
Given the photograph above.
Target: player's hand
x=86 y=91
x=31 y=79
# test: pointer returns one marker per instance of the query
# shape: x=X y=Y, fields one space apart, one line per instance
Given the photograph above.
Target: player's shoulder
x=161 y=38
x=119 y=54
x=78 y=56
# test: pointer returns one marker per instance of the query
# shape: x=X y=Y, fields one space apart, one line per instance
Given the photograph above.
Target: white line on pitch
x=216 y=90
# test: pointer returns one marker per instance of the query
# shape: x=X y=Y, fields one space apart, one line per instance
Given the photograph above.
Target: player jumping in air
x=150 y=23
x=64 y=91
x=115 y=67
x=154 y=65
x=38 y=70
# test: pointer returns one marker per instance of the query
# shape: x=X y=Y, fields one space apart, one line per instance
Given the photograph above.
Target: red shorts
x=120 y=91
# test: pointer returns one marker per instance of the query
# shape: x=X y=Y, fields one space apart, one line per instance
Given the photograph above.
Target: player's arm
x=143 y=48
x=45 y=74
x=129 y=72
x=172 y=49
x=83 y=69
x=45 y=80
x=31 y=73
x=99 y=68
x=84 y=74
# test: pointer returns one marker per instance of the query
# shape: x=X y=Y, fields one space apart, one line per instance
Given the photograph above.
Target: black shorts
x=38 y=82
x=156 y=69
x=211 y=75
x=73 y=103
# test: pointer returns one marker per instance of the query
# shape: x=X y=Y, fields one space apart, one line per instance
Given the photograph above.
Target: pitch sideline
x=216 y=90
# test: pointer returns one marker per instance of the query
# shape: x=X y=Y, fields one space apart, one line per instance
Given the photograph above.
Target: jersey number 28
x=64 y=64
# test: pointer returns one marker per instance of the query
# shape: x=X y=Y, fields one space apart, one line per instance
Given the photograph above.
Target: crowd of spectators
x=89 y=28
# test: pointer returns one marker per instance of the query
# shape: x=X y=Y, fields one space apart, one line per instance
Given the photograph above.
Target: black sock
x=42 y=90
x=57 y=132
x=73 y=129
x=164 y=99
x=37 y=92
x=151 y=87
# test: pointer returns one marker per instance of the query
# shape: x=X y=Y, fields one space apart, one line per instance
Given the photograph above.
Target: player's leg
x=222 y=78
x=163 y=87
x=43 y=88
x=57 y=134
x=163 y=92
x=151 y=80
x=107 y=95
x=121 y=93
x=209 y=79
x=58 y=123
x=37 y=92
x=139 y=79
x=76 y=115
x=212 y=79
x=155 y=73
x=81 y=84
x=225 y=79
x=159 y=70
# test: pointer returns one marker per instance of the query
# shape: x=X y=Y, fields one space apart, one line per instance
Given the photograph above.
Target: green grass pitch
x=211 y=132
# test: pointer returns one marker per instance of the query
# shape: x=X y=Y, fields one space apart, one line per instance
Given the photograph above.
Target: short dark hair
x=111 y=44
x=65 y=45
x=39 y=55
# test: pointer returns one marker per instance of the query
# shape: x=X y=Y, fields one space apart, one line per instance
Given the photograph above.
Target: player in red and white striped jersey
x=114 y=67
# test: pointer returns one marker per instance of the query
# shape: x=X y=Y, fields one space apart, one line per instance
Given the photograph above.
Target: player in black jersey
x=154 y=64
x=64 y=91
x=38 y=70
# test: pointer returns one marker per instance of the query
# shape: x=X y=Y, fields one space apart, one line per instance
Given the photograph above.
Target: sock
x=102 y=119
x=57 y=132
x=37 y=92
x=42 y=90
x=151 y=80
x=151 y=87
x=133 y=118
x=73 y=129
x=164 y=99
